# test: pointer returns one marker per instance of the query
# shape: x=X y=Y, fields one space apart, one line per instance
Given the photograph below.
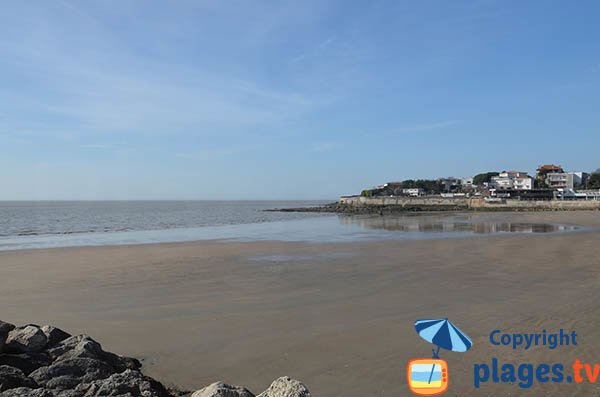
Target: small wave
x=28 y=233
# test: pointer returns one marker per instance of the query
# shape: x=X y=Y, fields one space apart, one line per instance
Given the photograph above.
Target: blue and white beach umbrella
x=442 y=333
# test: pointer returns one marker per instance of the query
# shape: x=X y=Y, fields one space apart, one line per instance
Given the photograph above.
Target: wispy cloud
x=323 y=146
x=142 y=94
x=214 y=153
x=327 y=42
x=317 y=50
x=299 y=58
x=413 y=129
x=427 y=127
x=95 y=146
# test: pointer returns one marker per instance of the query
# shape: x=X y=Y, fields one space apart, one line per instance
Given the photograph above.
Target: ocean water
x=30 y=225
x=77 y=217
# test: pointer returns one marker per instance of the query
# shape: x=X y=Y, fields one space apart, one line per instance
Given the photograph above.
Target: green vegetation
x=594 y=180
x=429 y=186
x=480 y=179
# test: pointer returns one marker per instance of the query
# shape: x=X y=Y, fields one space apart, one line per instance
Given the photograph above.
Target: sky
x=289 y=99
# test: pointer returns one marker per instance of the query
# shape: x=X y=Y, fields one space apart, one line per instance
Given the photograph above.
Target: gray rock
x=286 y=387
x=70 y=373
x=26 y=392
x=82 y=346
x=220 y=389
x=27 y=339
x=11 y=378
x=5 y=328
x=68 y=393
x=26 y=362
x=127 y=383
x=54 y=335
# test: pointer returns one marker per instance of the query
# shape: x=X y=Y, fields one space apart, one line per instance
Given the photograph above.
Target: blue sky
x=284 y=100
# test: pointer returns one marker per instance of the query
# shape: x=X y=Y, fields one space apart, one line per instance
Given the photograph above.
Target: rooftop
x=549 y=167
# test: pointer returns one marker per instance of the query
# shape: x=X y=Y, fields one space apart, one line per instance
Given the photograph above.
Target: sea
x=50 y=224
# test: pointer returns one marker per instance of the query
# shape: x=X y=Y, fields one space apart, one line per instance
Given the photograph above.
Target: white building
x=499 y=182
x=523 y=183
x=570 y=194
x=564 y=180
x=512 y=180
x=413 y=191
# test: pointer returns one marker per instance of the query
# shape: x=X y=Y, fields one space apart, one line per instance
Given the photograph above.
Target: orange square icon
x=427 y=376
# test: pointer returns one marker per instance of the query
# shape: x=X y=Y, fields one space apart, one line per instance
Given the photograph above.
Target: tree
x=480 y=179
x=594 y=180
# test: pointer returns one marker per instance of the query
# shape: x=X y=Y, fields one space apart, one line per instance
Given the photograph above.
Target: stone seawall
x=524 y=205
x=406 y=201
x=475 y=204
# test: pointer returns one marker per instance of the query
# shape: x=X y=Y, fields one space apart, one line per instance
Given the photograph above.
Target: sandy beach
x=337 y=316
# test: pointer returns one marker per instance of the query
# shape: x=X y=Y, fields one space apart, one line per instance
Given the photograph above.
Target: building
x=449 y=184
x=523 y=183
x=467 y=182
x=570 y=194
x=500 y=182
x=528 y=194
x=413 y=191
x=512 y=180
x=565 y=180
x=545 y=169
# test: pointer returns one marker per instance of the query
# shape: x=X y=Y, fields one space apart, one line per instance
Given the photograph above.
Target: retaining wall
x=470 y=203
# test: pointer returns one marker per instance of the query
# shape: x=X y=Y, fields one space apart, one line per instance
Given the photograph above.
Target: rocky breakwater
x=377 y=207
x=44 y=361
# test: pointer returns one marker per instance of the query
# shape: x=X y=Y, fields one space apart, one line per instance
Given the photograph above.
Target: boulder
x=26 y=392
x=26 y=362
x=127 y=383
x=220 y=389
x=27 y=339
x=5 y=328
x=82 y=346
x=70 y=373
x=54 y=335
x=286 y=387
x=11 y=377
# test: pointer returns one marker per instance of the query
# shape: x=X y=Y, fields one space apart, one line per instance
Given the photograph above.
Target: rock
x=286 y=387
x=11 y=378
x=26 y=362
x=127 y=383
x=48 y=362
x=70 y=373
x=5 y=328
x=82 y=346
x=220 y=389
x=29 y=338
x=54 y=335
x=26 y=392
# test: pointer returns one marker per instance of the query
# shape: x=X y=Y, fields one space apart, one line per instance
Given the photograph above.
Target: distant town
x=551 y=182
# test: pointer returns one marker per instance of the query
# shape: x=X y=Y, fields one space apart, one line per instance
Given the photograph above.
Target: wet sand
x=337 y=316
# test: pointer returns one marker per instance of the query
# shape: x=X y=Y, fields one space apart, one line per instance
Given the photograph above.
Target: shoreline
x=391 y=236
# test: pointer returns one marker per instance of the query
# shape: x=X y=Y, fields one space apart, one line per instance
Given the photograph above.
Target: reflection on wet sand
x=455 y=223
